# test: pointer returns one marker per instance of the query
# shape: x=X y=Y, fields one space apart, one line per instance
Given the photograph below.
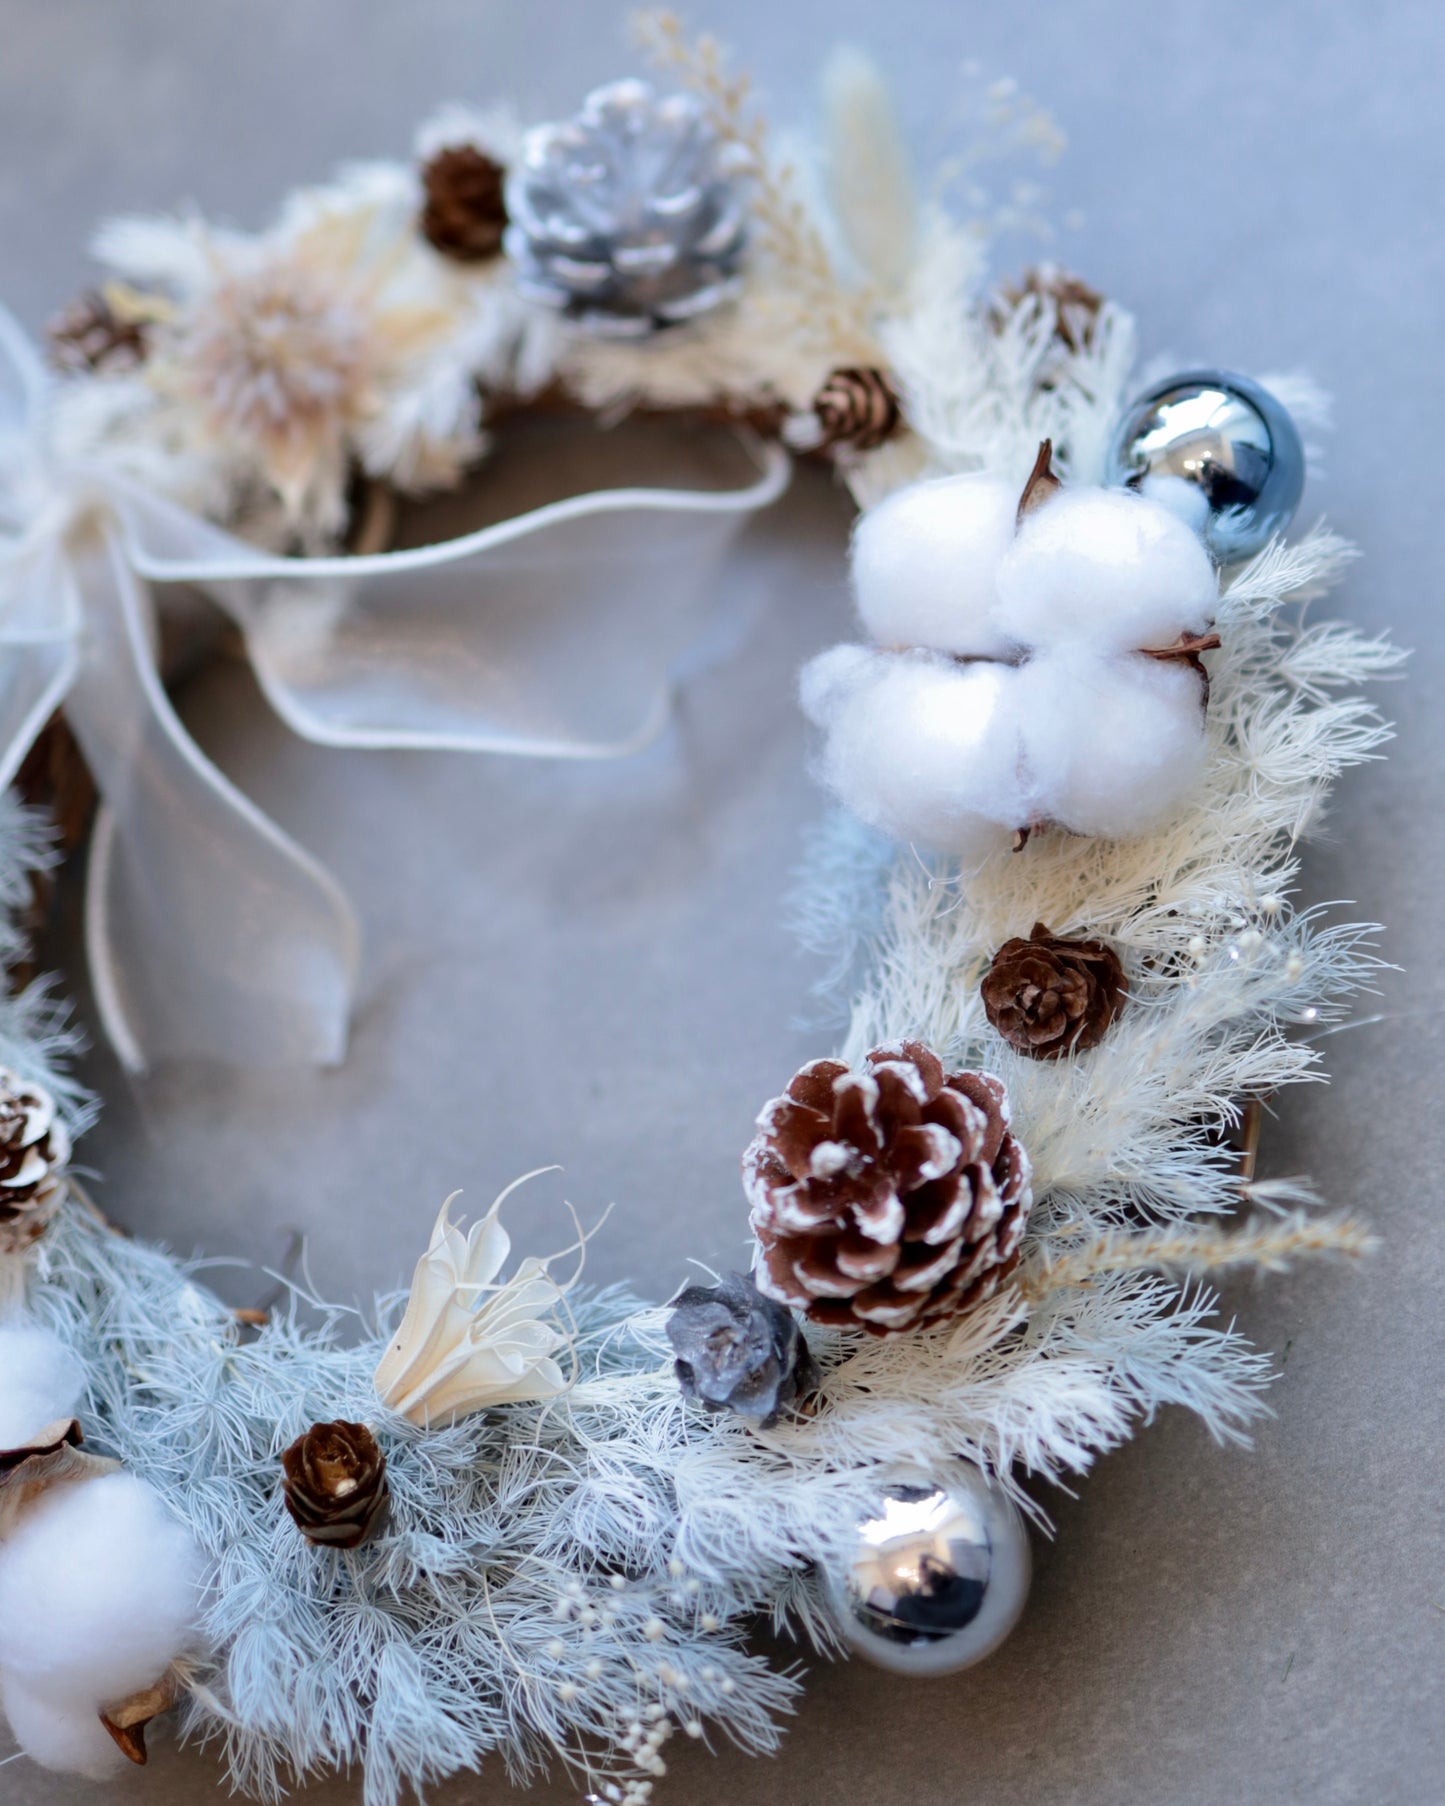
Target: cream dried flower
x=293 y=348
x=469 y=1340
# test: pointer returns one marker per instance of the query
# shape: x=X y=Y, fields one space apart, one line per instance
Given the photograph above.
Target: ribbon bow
x=209 y=931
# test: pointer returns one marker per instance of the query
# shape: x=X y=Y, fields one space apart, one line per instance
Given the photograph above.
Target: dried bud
x=127 y=1719
x=857 y=408
x=1049 y=997
x=1042 y=485
x=34 y=1150
x=465 y=212
x=335 y=1485
x=90 y=337
x=738 y=1351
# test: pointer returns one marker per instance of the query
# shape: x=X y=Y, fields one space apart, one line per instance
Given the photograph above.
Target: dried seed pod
x=738 y=1350
x=335 y=1486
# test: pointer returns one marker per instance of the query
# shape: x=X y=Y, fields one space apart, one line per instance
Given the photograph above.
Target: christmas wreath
x=1076 y=748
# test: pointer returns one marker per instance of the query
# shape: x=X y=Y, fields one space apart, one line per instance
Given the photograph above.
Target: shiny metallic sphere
x=937 y=1578
x=1230 y=441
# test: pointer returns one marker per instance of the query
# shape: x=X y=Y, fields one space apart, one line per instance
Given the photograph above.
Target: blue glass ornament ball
x=1227 y=438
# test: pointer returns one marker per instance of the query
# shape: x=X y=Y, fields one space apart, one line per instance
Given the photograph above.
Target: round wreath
x=1076 y=753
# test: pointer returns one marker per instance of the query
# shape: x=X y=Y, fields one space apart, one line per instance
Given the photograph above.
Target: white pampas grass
x=870 y=182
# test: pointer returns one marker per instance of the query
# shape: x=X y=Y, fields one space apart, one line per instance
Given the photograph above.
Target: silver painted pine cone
x=629 y=217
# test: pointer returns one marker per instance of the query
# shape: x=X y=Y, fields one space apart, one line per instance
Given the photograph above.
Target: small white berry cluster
x=639 y=1740
x=1011 y=683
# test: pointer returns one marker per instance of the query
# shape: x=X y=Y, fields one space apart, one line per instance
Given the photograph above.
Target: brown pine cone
x=90 y=337
x=858 y=408
x=1049 y=997
x=465 y=212
x=335 y=1485
x=34 y=1150
x=887 y=1199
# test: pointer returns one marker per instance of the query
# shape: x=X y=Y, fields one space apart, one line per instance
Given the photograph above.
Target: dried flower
x=335 y=1486
x=737 y=1350
x=291 y=351
x=1048 y=996
x=469 y=1340
x=34 y=1150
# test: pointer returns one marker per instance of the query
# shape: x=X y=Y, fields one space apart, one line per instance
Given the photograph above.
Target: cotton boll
x=1113 y=746
x=99 y=1591
x=924 y=562
x=58 y=1734
x=827 y=681
x=926 y=750
x=40 y=1381
x=1107 y=568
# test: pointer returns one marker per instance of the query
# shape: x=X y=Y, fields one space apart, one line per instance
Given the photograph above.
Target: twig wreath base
x=491 y=1522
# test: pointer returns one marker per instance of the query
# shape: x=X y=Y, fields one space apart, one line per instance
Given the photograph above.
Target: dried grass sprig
x=821 y=308
x=1268 y=1244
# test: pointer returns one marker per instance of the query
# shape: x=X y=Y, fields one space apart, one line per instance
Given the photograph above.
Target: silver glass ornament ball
x=1231 y=441
x=937 y=1578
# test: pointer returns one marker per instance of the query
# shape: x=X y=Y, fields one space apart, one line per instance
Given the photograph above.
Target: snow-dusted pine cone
x=630 y=216
x=34 y=1149
x=890 y=1198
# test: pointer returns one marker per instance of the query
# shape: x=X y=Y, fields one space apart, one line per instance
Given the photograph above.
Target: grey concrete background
x=586 y=964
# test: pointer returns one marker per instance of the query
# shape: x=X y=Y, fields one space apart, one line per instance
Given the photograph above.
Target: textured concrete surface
x=586 y=965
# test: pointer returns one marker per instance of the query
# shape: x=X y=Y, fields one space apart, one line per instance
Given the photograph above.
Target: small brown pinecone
x=34 y=1150
x=90 y=337
x=1049 y=997
x=335 y=1484
x=886 y=1199
x=1075 y=306
x=858 y=408
x=465 y=212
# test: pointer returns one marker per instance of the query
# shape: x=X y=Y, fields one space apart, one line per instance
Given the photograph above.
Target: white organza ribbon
x=210 y=932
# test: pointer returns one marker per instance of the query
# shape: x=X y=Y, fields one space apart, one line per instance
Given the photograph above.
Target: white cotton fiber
x=40 y=1381
x=1113 y=745
x=60 y=1735
x=99 y=1591
x=924 y=562
x=1107 y=568
x=922 y=747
